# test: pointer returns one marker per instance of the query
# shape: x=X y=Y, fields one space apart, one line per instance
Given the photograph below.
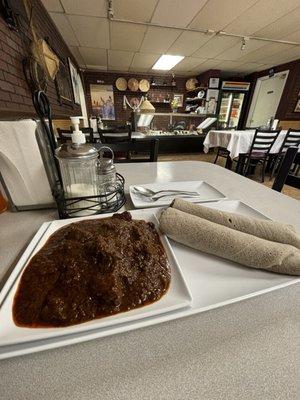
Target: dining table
x=245 y=350
x=237 y=141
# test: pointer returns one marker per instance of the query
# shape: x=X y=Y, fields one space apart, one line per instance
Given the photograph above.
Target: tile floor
x=210 y=157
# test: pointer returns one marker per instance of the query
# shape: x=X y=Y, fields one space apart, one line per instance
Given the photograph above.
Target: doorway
x=266 y=98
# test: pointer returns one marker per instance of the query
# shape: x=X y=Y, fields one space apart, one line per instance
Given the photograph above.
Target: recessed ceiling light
x=166 y=62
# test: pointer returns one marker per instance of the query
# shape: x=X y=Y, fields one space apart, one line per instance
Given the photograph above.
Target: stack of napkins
x=252 y=242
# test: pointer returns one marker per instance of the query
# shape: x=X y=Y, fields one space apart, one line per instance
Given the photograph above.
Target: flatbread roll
x=245 y=249
x=269 y=230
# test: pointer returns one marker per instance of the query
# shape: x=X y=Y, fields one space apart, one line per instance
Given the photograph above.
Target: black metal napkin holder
x=109 y=202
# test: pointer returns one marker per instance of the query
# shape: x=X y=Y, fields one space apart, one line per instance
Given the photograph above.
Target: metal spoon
x=150 y=193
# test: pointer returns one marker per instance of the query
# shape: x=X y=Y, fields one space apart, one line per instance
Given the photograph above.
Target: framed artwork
x=63 y=84
x=212 y=94
x=179 y=98
x=75 y=78
x=214 y=83
x=102 y=98
x=297 y=108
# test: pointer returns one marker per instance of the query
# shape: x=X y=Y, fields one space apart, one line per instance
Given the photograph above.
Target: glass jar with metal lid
x=78 y=163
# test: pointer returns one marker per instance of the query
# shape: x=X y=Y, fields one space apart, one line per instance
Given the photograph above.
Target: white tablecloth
x=237 y=142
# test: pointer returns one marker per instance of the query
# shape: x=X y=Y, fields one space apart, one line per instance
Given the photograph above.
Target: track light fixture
x=244 y=41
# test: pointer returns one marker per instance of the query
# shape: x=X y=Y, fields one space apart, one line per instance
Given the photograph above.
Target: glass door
x=225 y=109
x=236 y=108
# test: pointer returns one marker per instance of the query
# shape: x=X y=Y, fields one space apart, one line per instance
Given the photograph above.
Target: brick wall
x=93 y=77
x=15 y=96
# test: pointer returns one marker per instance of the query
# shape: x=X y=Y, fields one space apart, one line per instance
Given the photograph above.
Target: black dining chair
x=136 y=150
x=291 y=139
x=117 y=134
x=284 y=176
x=222 y=152
x=259 y=151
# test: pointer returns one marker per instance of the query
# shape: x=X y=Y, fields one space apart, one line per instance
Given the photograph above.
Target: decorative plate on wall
x=201 y=94
x=144 y=85
x=121 y=84
x=133 y=85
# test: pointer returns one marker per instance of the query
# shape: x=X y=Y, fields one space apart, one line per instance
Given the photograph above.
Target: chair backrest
x=292 y=139
x=142 y=146
x=284 y=176
x=65 y=134
x=115 y=134
x=263 y=141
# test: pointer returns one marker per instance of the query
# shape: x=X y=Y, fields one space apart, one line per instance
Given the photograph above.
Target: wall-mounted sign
x=214 y=83
x=230 y=85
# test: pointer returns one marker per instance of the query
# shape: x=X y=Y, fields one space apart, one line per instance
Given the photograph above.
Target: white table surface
x=246 y=350
x=237 y=142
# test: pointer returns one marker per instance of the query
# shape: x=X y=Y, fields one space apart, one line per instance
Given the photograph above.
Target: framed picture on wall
x=297 y=108
x=63 y=84
x=75 y=78
x=102 y=98
x=214 y=83
x=179 y=98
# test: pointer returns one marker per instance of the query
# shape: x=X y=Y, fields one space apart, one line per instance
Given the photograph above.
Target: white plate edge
x=142 y=324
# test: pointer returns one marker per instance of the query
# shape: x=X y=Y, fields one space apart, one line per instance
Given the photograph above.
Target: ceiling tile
x=235 y=52
x=143 y=61
x=136 y=10
x=264 y=52
x=158 y=40
x=64 y=28
x=52 y=5
x=217 y=13
x=96 y=8
x=228 y=65
x=259 y=15
x=288 y=54
x=126 y=36
x=293 y=37
x=188 y=43
x=249 y=67
x=92 y=56
x=206 y=65
x=119 y=60
x=90 y=31
x=282 y=26
x=176 y=12
x=188 y=64
x=215 y=46
x=77 y=55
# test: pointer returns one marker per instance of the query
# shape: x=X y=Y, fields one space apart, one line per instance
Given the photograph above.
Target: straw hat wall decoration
x=121 y=84
x=144 y=85
x=40 y=49
x=133 y=84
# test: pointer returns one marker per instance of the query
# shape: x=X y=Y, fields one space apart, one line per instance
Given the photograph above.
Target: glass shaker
x=78 y=164
x=106 y=172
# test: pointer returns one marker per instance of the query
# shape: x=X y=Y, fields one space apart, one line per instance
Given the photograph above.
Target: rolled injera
x=233 y=245
x=269 y=230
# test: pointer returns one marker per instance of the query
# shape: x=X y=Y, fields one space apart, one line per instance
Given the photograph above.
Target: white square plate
x=206 y=193
x=177 y=297
x=213 y=282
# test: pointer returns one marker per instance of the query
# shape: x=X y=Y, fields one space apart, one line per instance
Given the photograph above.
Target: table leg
x=240 y=164
x=228 y=164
